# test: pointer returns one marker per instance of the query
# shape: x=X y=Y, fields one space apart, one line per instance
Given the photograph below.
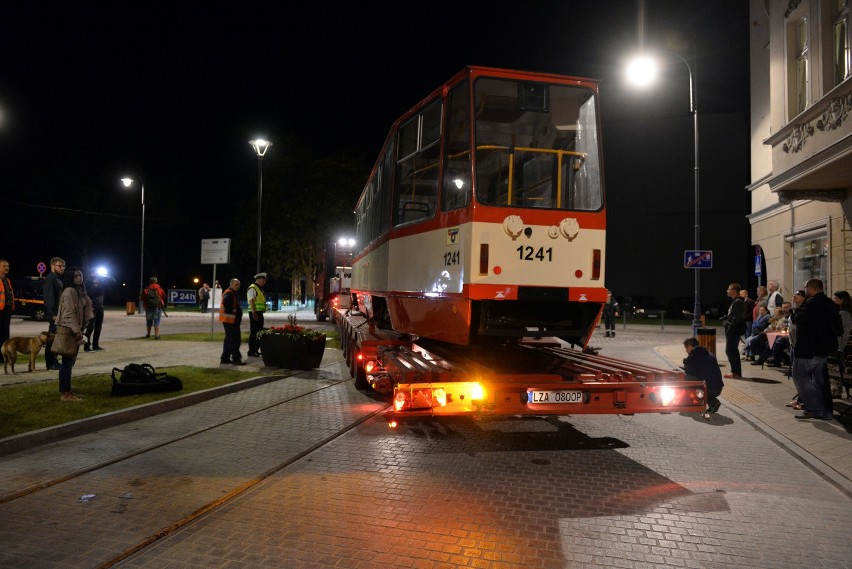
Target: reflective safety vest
x=3 y=294
x=229 y=318
x=259 y=300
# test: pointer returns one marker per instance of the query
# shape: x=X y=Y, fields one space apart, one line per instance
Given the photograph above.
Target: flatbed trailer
x=535 y=377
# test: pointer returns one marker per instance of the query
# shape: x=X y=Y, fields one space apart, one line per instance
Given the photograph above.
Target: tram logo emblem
x=452 y=235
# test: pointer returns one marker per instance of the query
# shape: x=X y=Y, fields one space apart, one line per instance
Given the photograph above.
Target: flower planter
x=291 y=353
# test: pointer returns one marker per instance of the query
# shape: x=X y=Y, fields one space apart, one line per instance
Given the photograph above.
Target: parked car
x=644 y=307
x=29 y=298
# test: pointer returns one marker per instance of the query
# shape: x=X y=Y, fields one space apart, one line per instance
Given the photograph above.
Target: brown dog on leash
x=31 y=346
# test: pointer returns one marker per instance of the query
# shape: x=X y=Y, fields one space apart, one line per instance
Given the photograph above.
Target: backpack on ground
x=136 y=379
x=152 y=298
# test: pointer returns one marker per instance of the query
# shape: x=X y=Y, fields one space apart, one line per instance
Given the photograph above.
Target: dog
x=31 y=346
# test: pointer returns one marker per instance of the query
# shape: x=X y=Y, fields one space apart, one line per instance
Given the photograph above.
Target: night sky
x=172 y=92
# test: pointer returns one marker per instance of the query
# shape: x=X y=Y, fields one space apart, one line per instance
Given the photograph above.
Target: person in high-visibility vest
x=256 y=306
x=230 y=315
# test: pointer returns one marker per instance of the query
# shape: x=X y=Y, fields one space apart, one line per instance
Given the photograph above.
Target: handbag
x=64 y=343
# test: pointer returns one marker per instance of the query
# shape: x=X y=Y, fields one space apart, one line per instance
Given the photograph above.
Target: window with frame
x=810 y=260
x=801 y=65
x=418 y=165
x=841 y=40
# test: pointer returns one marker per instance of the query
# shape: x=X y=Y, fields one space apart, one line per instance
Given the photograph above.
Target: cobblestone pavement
x=575 y=491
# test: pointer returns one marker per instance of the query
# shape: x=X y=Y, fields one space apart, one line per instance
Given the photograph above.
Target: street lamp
x=260 y=147
x=128 y=182
x=641 y=71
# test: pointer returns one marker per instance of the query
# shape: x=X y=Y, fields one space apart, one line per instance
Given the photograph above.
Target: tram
x=483 y=219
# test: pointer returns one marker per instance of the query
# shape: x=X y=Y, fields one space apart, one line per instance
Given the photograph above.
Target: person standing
x=230 y=315
x=701 y=365
x=153 y=299
x=256 y=306
x=734 y=323
x=844 y=305
x=818 y=327
x=73 y=311
x=749 y=313
x=51 y=290
x=774 y=299
x=7 y=301
x=610 y=313
x=96 y=290
x=204 y=297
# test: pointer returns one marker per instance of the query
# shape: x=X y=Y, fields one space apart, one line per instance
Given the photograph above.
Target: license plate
x=555 y=396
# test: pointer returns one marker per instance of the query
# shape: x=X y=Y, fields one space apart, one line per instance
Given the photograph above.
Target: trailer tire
x=359 y=375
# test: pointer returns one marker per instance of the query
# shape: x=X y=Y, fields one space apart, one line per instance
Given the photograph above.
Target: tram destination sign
x=698 y=259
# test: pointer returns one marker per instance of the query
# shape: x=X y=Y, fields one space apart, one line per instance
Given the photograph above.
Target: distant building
x=801 y=140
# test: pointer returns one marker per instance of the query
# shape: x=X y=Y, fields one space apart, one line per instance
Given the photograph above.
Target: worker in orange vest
x=230 y=315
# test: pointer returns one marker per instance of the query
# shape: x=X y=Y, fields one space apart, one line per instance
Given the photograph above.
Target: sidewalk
x=760 y=399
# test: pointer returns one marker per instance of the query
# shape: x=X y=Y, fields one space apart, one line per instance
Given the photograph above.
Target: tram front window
x=536 y=151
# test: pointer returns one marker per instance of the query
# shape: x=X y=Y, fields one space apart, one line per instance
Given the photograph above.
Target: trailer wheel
x=358 y=373
x=350 y=344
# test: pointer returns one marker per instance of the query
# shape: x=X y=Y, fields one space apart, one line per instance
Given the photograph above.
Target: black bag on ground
x=136 y=379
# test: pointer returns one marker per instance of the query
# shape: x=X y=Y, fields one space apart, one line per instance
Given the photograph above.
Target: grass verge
x=33 y=406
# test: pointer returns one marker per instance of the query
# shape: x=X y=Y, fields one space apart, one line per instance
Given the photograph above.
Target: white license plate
x=555 y=396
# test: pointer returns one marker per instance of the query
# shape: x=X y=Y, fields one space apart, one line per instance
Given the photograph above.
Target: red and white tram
x=484 y=216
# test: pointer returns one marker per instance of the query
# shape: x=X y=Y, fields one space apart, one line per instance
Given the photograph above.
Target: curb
x=24 y=441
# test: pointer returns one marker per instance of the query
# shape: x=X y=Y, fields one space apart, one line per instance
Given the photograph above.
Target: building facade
x=801 y=141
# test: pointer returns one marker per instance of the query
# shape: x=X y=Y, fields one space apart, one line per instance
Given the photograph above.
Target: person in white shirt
x=774 y=300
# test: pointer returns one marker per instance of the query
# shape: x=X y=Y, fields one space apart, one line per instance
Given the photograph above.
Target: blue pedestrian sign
x=698 y=259
x=757 y=262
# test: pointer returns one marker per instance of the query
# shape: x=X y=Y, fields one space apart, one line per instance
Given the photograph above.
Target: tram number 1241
x=532 y=254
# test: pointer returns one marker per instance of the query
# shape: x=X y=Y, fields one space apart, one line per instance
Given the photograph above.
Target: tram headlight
x=477 y=392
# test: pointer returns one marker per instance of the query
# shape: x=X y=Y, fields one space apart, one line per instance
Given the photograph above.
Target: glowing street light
x=260 y=147
x=128 y=182
x=641 y=71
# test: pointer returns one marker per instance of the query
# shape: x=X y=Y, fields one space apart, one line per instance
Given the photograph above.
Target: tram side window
x=418 y=168
x=456 y=189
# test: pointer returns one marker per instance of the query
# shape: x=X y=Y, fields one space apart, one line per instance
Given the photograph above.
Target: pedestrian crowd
x=804 y=335
x=74 y=312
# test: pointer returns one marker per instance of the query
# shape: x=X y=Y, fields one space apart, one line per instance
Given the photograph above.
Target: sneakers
x=156 y=337
x=98 y=348
x=606 y=335
x=254 y=354
x=69 y=396
x=733 y=376
x=715 y=406
x=239 y=363
x=148 y=335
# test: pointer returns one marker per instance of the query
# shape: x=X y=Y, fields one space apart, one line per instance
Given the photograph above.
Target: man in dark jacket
x=701 y=365
x=51 y=291
x=734 y=323
x=818 y=326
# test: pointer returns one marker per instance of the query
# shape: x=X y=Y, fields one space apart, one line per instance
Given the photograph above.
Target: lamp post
x=128 y=182
x=641 y=71
x=260 y=147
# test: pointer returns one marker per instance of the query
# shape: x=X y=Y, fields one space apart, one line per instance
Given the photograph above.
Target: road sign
x=698 y=259
x=181 y=296
x=757 y=270
x=41 y=268
x=215 y=251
